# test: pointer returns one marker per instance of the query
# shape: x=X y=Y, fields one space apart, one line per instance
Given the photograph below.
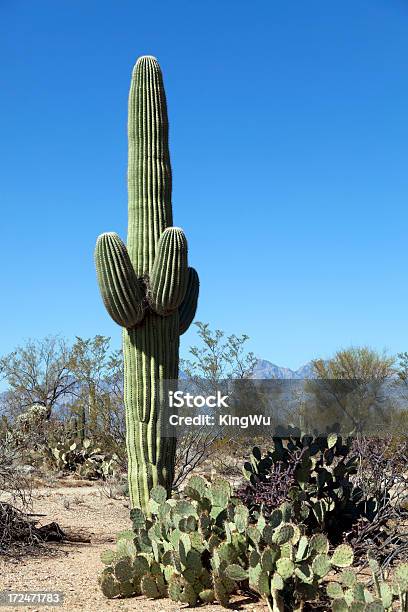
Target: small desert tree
x=99 y=403
x=89 y=362
x=37 y=372
x=353 y=386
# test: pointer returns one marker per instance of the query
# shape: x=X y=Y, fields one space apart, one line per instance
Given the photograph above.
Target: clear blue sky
x=289 y=144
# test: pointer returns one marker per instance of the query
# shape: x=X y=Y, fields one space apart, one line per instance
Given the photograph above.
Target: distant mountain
x=266 y=370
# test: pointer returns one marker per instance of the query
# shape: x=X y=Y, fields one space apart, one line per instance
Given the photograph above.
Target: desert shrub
x=30 y=429
x=269 y=481
x=382 y=474
x=55 y=445
x=193 y=449
x=33 y=419
x=14 y=485
x=32 y=432
x=16 y=527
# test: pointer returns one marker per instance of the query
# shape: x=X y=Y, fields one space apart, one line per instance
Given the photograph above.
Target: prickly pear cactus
x=318 y=480
x=287 y=572
x=147 y=287
x=204 y=547
x=387 y=593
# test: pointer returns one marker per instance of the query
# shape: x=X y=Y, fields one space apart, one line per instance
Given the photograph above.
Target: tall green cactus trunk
x=148 y=287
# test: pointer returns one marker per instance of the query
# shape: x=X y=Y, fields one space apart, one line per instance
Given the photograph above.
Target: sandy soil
x=73 y=567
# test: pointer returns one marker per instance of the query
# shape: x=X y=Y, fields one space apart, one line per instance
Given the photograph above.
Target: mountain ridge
x=265 y=369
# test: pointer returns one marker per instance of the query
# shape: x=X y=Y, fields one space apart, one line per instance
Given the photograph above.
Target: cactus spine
x=147 y=287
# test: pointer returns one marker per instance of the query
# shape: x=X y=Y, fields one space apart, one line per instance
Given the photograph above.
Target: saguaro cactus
x=148 y=287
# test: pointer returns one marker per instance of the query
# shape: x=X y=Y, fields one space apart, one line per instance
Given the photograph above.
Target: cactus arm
x=122 y=292
x=168 y=278
x=188 y=307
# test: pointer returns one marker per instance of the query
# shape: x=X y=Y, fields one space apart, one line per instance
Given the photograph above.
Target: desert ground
x=81 y=509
